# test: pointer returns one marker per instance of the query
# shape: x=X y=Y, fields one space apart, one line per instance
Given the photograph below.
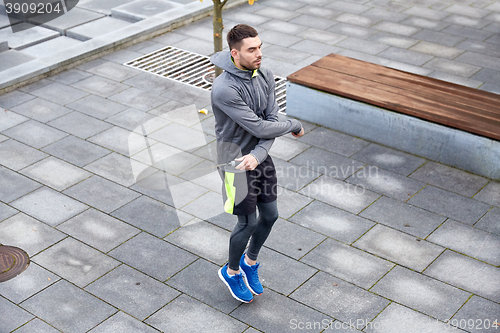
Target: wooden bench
x=442 y=121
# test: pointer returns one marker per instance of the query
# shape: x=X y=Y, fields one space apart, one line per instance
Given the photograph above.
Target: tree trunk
x=218 y=28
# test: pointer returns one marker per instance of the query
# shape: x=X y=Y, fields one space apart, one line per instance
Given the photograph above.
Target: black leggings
x=249 y=227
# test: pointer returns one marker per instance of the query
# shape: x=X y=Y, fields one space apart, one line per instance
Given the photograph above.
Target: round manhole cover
x=13 y=261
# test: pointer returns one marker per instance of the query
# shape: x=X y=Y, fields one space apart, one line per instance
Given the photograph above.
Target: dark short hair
x=238 y=33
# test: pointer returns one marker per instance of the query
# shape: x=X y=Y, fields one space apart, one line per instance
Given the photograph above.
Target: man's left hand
x=248 y=162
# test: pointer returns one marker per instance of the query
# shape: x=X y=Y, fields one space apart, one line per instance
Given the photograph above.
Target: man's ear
x=234 y=53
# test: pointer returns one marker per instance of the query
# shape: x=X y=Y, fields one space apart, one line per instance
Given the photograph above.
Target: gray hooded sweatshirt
x=246 y=112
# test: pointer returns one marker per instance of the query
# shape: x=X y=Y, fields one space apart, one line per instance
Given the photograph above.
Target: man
x=246 y=116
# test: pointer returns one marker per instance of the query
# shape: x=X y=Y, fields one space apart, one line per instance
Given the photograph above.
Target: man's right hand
x=298 y=135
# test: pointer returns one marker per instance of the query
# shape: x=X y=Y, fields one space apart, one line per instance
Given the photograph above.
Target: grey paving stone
x=481 y=313
x=356 y=20
x=287 y=149
x=132 y=119
x=31 y=281
x=468 y=240
x=79 y=125
x=91 y=64
x=97 y=107
x=96 y=28
x=389 y=159
x=100 y=7
x=486 y=60
x=385 y=182
x=292 y=240
x=280 y=68
x=467 y=11
x=426 y=13
x=210 y=207
x=275 y=272
x=275 y=313
x=351 y=30
x=100 y=86
x=475 y=34
x=204 y=174
x=35 y=134
x=170 y=189
x=411 y=57
x=284 y=54
x=479 y=47
x=34 y=86
x=120 y=169
x=151 y=83
x=490 y=88
x=466 y=21
x=75 y=262
x=3 y=138
x=188 y=116
x=55 y=173
x=16 y=155
x=340 y=194
x=121 y=141
x=169 y=38
x=245 y=17
x=132 y=292
x=10 y=119
x=101 y=194
x=36 y=325
x=115 y=72
x=421 y=293
x=185 y=311
x=382 y=14
x=455 y=79
x=322 y=12
x=122 y=322
x=152 y=216
x=491 y=221
x=289 y=202
x=309 y=21
x=366 y=57
x=397 y=318
x=401 y=216
x=153 y=256
x=283 y=14
x=58 y=304
x=28 y=37
x=135 y=11
x=13 y=316
x=449 y=204
x=452 y=67
x=51 y=47
x=334 y=141
x=462 y=272
x=487 y=75
x=332 y=222
x=13 y=58
x=292 y=176
x=195 y=45
x=346 y=6
x=13 y=98
x=283 y=27
x=73 y=18
x=6 y=211
x=493 y=27
x=449 y=178
x=49 y=206
x=98 y=230
x=201 y=281
x=425 y=23
x=187 y=95
x=362 y=45
x=203 y=239
x=59 y=93
x=397 y=28
x=41 y=110
x=398 y=247
x=291 y=5
x=389 y=5
x=437 y=50
x=28 y=234
x=122 y=56
x=181 y=137
x=13 y=185
x=200 y=29
x=438 y=37
x=139 y=99
x=339 y=299
x=75 y=151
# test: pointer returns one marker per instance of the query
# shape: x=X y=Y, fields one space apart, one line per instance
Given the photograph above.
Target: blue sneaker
x=236 y=285
x=251 y=276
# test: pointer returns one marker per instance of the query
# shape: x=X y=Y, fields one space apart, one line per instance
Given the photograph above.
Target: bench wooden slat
x=431 y=88
x=445 y=103
x=355 y=88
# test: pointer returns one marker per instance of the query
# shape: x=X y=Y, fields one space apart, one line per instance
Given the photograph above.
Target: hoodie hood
x=224 y=60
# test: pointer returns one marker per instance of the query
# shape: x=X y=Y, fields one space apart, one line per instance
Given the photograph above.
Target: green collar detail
x=255 y=71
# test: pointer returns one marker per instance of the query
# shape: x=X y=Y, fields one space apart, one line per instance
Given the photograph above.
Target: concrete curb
x=40 y=68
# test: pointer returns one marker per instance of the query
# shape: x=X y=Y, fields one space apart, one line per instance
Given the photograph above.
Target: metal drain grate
x=190 y=68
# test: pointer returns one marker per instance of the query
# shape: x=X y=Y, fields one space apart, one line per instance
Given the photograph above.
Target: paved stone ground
x=126 y=233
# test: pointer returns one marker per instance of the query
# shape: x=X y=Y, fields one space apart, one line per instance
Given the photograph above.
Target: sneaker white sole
x=246 y=281
x=230 y=290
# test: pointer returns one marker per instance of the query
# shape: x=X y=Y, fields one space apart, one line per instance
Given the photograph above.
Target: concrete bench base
x=439 y=143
